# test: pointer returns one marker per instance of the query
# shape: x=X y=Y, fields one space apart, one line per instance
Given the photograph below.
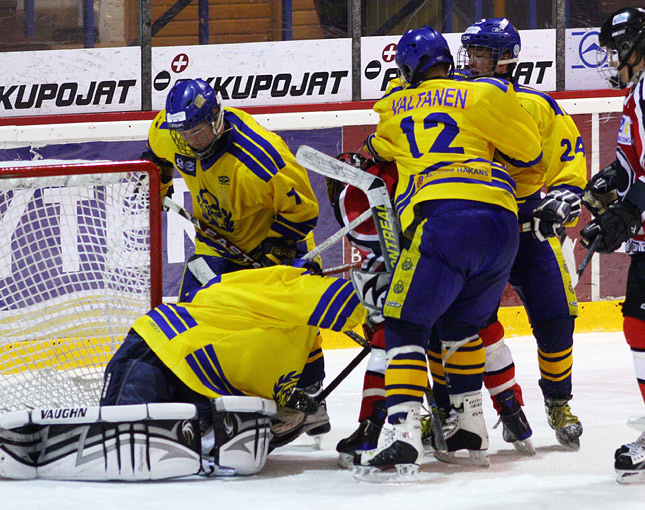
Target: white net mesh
x=75 y=272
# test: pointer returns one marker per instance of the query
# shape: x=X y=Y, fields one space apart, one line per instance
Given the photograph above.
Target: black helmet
x=623 y=35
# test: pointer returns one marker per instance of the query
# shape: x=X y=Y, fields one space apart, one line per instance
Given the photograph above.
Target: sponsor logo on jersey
x=37 y=95
x=224 y=180
x=284 y=386
x=186 y=164
x=625 y=131
x=73 y=412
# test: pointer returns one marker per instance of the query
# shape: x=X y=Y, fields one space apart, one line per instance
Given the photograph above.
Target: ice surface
x=299 y=477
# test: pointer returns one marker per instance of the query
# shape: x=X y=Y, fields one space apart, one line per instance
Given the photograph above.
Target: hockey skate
x=397 y=456
x=515 y=427
x=301 y=414
x=567 y=426
x=465 y=429
x=365 y=437
x=629 y=462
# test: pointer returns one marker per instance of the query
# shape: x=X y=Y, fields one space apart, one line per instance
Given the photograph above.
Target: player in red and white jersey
x=616 y=196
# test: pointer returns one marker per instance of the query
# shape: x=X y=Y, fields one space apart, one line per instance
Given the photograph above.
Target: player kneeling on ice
x=203 y=386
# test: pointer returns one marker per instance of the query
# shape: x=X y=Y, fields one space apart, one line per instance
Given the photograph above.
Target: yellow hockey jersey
x=563 y=164
x=250 y=190
x=443 y=134
x=249 y=332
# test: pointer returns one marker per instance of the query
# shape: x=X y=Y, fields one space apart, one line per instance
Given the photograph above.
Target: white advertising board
x=57 y=82
x=536 y=67
x=583 y=59
x=272 y=73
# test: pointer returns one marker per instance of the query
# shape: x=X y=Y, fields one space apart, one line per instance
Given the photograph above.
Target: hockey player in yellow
x=490 y=48
x=458 y=210
x=240 y=334
x=195 y=386
x=245 y=184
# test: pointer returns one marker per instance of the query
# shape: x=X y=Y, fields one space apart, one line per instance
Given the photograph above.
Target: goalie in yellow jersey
x=237 y=336
x=195 y=386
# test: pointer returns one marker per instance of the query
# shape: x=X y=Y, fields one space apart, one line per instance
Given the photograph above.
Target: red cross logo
x=179 y=63
x=389 y=52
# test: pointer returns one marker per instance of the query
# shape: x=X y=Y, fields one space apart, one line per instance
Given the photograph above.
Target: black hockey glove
x=601 y=191
x=166 y=171
x=277 y=249
x=619 y=223
x=558 y=207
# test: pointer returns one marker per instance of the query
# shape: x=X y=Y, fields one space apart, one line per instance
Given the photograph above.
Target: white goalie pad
x=238 y=443
x=136 y=442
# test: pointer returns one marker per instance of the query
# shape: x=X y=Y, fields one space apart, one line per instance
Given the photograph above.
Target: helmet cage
x=499 y=37
x=195 y=118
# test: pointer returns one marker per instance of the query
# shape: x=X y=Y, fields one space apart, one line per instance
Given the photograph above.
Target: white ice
x=299 y=477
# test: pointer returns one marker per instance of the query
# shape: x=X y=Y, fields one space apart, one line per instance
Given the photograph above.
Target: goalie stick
x=218 y=238
x=386 y=223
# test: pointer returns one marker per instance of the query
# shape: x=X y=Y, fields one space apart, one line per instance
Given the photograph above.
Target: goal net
x=79 y=262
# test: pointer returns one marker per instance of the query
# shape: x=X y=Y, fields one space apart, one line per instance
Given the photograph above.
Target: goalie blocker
x=136 y=442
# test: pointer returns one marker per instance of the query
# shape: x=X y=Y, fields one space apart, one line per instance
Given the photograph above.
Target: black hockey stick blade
x=347 y=370
x=590 y=252
x=437 y=427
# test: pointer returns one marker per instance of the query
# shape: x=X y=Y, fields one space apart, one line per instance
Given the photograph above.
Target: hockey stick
x=440 y=439
x=386 y=223
x=590 y=253
x=437 y=426
x=349 y=368
x=337 y=236
x=218 y=238
x=340 y=269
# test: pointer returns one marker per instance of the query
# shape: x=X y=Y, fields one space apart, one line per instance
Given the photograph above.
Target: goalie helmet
x=622 y=37
x=494 y=40
x=335 y=187
x=420 y=49
x=195 y=117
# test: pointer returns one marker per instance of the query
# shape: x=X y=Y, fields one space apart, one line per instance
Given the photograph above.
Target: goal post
x=80 y=260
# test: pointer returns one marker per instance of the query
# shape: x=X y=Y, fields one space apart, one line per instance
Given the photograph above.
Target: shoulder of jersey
x=489 y=83
x=537 y=97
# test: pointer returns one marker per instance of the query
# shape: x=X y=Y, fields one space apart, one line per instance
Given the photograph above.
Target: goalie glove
x=602 y=190
x=275 y=250
x=558 y=207
x=619 y=223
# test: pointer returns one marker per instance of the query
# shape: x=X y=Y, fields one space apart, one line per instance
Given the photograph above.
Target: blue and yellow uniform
x=458 y=210
x=250 y=190
x=240 y=334
x=539 y=269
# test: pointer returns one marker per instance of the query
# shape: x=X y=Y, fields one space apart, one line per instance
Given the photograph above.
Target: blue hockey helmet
x=420 y=49
x=498 y=38
x=622 y=36
x=195 y=117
